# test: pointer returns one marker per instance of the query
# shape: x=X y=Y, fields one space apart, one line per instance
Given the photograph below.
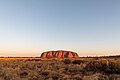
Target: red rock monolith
x=59 y=54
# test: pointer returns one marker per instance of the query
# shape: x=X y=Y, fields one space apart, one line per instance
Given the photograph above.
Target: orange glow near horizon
x=37 y=53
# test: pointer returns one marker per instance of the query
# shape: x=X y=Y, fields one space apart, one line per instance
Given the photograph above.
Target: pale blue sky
x=89 y=27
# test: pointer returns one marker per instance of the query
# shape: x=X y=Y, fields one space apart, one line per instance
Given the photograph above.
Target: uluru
x=59 y=54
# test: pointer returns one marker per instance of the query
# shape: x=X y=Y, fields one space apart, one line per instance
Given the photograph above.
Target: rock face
x=59 y=54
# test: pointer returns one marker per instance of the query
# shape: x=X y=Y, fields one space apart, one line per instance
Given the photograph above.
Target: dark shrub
x=33 y=60
x=2 y=73
x=76 y=77
x=37 y=59
x=67 y=61
x=23 y=74
x=55 y=77
x=66 y=69
x=103 y=77
x=113 y=68
x=96 y=66
x=77 y=62
x=7 y=78
x=99 y=66
x=45 y=73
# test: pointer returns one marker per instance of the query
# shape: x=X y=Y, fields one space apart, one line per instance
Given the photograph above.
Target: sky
x=88 y=27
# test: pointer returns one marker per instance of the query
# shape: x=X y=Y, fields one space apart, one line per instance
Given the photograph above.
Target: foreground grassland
x=53 y=69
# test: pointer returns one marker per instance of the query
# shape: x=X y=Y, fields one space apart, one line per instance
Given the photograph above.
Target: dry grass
x=58 y=69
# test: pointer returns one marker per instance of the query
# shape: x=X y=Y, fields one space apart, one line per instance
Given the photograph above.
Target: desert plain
x=82 y=68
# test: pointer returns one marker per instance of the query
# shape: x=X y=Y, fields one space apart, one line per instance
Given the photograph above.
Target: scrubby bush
x=77 y=61
x=45 y=73
x=2 y=73
x=77 y=77
x=7 y=78
x=55 y=77
x=99 y=66
x=73 y=69
x=67 y=61
x=59 y=70
x=96 y=66
x=23 y=74
x=113 y=68
x=33 y=60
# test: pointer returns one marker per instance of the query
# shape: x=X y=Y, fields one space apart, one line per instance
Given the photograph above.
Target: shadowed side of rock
x=59 y=54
